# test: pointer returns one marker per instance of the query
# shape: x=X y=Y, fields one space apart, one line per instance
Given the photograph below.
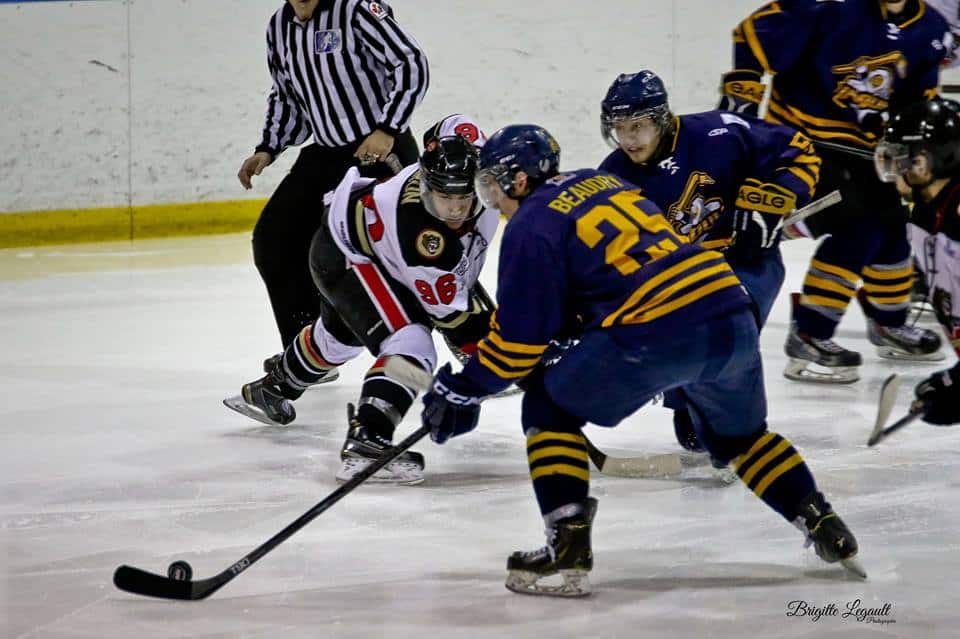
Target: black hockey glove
x=940 y=394
x=451 y=407
x=754 y=235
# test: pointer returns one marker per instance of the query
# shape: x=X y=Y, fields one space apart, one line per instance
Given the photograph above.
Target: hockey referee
x=347 y=75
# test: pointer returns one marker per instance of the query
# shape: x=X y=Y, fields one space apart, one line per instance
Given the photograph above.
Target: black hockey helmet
x=931 y=129
x=447 y=168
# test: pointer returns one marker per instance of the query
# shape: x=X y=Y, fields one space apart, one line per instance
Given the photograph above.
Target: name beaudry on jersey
x=838 y=64
x=589 y=236
x=751 y=165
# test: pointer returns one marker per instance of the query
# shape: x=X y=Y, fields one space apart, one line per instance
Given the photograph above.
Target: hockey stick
x=828 y=200
x=888 y=397
x=916 y=410
x=150 y=584
x=767 y=81
x=863 y=154
x=637 y=467
x=950 y=88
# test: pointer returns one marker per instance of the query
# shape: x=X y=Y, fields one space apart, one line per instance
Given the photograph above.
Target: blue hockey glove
x=451 y=407
x=940 y=394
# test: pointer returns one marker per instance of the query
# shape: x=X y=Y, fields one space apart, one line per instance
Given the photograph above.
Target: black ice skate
x=263 y=400
x=830 y=537
x=363 y=447
x=802 y=350
x=905 y=342
x=567 y=552
x=274 y=360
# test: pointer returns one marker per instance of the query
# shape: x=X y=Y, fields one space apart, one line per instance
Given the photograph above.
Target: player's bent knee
x=727 y=447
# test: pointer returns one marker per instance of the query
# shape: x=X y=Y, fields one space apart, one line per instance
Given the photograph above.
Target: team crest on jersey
x=430 y=244
x=867 y=82
x=328 y=41
x=378 y=10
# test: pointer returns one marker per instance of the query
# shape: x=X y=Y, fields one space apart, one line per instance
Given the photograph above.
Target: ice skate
x=567 y=553
x=263 y=401
x=363 y=447
x=829 y=536
x=835 y=364
x=274 y=360
x=905 y=342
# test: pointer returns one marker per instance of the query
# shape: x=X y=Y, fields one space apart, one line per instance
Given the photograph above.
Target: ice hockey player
x=920 y=152
x=656 y=312
x=732 y=198
x=838 y=70
x=392 y=261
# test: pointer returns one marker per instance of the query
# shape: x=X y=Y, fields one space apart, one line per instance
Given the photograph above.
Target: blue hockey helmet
x=514 y=148
x=634 y=96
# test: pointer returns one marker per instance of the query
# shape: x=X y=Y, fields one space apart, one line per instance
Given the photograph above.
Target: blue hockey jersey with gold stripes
x=588 y=245
x=838 y=65
x=718 y=161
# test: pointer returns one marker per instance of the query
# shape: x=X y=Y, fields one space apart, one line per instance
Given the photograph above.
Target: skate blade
x=236 y=403
x=854 y=567
x=799 y=370
x=576 y=583
x=902 y=356
x=399 y=473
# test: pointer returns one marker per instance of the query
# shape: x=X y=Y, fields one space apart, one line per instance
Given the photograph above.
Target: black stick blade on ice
x=141 y=582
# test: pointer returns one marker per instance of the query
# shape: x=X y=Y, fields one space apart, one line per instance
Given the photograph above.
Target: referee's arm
x=397 y=51
x=285 y=123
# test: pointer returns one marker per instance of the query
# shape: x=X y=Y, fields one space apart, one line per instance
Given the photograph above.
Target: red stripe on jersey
x=387 y=305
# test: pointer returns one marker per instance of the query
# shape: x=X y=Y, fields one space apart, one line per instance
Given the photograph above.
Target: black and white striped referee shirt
x=347 y=71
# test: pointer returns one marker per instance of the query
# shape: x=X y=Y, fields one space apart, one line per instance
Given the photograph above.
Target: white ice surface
x=115 y=449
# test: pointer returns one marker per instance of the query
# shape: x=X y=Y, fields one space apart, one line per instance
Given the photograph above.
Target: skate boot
x=840 y=364
x=276 y=360
x=363 y=447
x=264 y=400
x=830 y=537
x=567 y=552
x=905 y=342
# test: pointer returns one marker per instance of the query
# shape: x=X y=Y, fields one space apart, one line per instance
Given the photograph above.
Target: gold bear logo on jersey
x=430 y=244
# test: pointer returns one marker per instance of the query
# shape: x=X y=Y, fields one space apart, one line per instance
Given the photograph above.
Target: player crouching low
x=391 y=261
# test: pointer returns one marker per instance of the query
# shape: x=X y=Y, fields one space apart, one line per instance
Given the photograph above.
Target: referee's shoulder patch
x=377 y=10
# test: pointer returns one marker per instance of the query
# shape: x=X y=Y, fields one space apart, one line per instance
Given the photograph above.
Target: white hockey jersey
x=390 y=226
x=934 y=233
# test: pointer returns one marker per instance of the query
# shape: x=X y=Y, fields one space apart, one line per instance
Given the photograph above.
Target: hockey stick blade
x=888 y=397
x=641 y=467
x=148 y=584
x=141 y=582
x=916 y=410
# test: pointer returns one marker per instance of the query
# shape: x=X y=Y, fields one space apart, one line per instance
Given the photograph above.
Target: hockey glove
x=754 y=234
x=758 y=219
x=452 y=405
x=741 y=92
x=940 y=394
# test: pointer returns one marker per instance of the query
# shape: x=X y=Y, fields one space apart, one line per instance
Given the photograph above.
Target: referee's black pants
x=282 y=235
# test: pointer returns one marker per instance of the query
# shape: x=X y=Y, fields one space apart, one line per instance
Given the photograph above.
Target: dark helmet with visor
x=447 y=170
x=929 y=129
